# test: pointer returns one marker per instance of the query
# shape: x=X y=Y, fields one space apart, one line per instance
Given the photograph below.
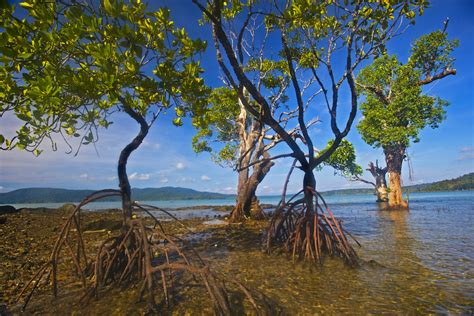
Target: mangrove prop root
x=307 y=231
x=138 y=253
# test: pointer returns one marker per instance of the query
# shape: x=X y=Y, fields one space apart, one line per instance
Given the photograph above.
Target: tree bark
x=124 y=184
x=380 y=181
x=394 y=156
x=247 y=204
x=251 y=150
x=309 y=186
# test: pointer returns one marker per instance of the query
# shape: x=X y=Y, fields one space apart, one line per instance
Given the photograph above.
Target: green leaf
x=26 y=5
x=70 y=131
x=177 y=121
x=108 y=6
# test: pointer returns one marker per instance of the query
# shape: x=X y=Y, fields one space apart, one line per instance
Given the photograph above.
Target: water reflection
x=398 y=274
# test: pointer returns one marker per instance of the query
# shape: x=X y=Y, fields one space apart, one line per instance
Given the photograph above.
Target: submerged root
x=139 y=253
x=308 y=231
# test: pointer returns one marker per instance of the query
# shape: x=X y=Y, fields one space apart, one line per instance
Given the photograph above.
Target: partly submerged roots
x=139 y=252
x=306 y=232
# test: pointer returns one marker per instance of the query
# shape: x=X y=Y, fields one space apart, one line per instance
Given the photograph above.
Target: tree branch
x=299 y=99
x=430 y=79
x=245 y=82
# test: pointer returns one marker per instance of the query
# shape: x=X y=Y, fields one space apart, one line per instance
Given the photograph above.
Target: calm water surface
x=413 y=262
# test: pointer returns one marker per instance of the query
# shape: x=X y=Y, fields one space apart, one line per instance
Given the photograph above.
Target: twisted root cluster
x=307 y=229
x=139 y=253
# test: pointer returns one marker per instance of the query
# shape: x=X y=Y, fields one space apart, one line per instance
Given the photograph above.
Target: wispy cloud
x=112 y=178
x=187 y=180
x=467 y=153
x=1 y=188
x=139 y=176
x=180 y=165
x=164 y=180
x=467 y=149
x=466 y=156
x=147 y=144
x=205 y=178
x=228 y=189
x=86 y=176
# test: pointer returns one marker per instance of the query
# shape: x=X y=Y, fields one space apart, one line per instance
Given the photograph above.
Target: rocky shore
x=27 y=236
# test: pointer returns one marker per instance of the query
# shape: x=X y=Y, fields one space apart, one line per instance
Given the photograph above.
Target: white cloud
x=1 y=188
x=139 y=176
x=228 y=189
x=164 y=180
x=205 y=178
x=467 y=149
x=112 y=178
x=154 y=146
x=187 y=179
x=467 y=153
x=180 y=165
x=86 y=176
x=466 y=156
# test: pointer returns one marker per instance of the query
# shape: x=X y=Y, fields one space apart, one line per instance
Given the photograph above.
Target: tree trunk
x=382 y=193
x=309 y=186
x=394 y=156
x=242 y=207
x=380 y=181
x=247 y=204
x=124 y=184
x=251 y=150
x=256 y=210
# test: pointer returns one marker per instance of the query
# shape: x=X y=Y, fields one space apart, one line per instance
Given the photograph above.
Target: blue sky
x=166 y=157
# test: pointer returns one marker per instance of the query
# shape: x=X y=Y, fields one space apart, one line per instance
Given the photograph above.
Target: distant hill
x=465 y=182
x=52 y=195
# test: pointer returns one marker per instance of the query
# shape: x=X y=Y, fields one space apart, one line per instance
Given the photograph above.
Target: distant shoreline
x=54 y=195
x=225 y=205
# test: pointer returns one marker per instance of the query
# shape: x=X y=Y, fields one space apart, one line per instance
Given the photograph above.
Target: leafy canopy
x=311 y=33
x=395 y=108
x=65 y=67
x=218 y=129
x=342 y=160
x=218 y=125
x=431 y=53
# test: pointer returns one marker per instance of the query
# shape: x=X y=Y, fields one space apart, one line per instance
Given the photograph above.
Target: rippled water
x=413 y=262
x=417 y=261
x=362 y=199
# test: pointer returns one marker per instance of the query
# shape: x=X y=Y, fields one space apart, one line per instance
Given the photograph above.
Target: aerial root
x=139 y=252
x=307 y=231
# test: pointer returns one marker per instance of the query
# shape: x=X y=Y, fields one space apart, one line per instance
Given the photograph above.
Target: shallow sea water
x=412 y=262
